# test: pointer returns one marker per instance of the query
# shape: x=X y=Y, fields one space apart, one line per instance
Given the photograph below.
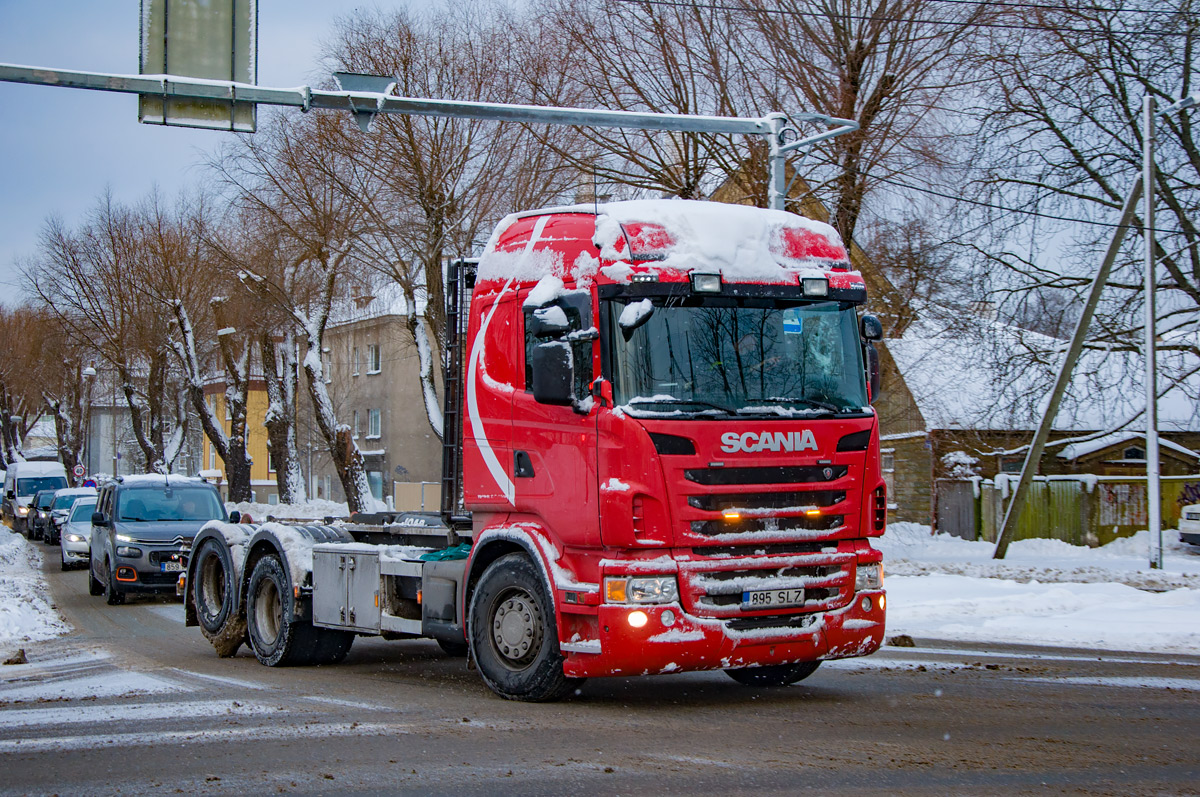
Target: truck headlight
x=653 y=589
x=868 y=577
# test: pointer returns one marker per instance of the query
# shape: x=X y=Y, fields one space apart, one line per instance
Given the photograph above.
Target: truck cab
x=667 y=411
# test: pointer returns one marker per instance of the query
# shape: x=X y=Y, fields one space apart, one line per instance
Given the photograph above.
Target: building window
x=1011 y=464
x=356 y=427
x=1134 y=453
x=374 y=359
x=327 y=365
x=212 y=456
x=373 y=424
x=354 y=361
x=375 y=480
x=272 y=499
x=887 y=463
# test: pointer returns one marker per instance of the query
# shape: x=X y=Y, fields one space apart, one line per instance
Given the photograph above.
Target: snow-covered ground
x=25 y=611
x=943 y=588
x=1045 y=592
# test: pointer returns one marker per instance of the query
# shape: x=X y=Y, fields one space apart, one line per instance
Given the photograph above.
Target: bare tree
x=290 y=176
x=21 y=404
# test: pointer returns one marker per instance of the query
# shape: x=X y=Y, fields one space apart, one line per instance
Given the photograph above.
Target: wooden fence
x=1081 y=510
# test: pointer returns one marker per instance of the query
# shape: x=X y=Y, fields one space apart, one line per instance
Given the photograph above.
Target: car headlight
x=124 y=538
x=129 y=552
x=22 y=511
x=41 y=514
x=868 y=577
x=74 y=538
x=653 y=589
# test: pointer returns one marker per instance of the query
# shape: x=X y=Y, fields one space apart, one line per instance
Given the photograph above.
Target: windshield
x=32 y=485
x=180 y=503
x=64 y=501
x=746 y=356
x=83 y=511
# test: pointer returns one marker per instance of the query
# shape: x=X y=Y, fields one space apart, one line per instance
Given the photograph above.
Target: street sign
x=209 y=39
x=79 y=470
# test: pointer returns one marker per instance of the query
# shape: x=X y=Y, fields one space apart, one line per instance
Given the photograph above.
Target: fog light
x=638 y=619
x=668 y=618
x=882 y=602
x=866 y=603
x=126 y=574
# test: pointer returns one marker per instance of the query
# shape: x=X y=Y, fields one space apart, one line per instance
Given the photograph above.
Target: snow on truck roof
x=614 y=240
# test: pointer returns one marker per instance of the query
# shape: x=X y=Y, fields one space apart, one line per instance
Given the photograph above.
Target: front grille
x=826 y=585
x=777 y=475
x=726 y=551
x=713 y=528
x=158 y=557
x=158 y=579
x=797 y=500
x=782 y=622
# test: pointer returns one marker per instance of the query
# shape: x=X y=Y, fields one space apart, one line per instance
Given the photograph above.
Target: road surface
x=134 y=702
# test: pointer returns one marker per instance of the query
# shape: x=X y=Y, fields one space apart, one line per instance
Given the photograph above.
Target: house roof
x=999 y=377
x=1077 y=450
x=386 y=299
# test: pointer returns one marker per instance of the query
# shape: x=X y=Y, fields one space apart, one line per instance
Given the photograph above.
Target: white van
x=21 y=481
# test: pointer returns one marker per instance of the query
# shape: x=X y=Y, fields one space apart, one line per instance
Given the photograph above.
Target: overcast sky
x=60 y=148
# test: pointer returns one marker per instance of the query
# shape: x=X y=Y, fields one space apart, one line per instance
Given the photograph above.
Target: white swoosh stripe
x=477 y=431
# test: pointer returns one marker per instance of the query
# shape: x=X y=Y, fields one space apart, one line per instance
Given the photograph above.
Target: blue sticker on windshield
x=791 y=321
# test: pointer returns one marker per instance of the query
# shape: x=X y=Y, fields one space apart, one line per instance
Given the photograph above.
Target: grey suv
x=140 y=525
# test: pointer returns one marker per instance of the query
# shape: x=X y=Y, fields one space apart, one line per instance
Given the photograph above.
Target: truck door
x=554 y=446
x=492 y=376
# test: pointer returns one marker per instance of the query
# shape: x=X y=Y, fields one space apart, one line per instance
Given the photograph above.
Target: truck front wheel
x=512 y=633
x=774 y=674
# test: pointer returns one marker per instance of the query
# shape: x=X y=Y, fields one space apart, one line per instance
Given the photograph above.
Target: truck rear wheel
x=213 y=588
x=277 y=641
x=512 y=633
x=774 y=674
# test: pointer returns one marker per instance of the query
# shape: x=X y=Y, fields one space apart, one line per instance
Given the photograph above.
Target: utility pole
x=1153 y=482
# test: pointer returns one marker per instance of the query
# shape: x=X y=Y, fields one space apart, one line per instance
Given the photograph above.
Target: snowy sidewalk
x=1045 y=592
x=25 y=611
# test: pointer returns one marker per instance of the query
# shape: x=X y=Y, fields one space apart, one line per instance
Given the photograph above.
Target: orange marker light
x=730 y=514
x=812 y=512
x=614 y=590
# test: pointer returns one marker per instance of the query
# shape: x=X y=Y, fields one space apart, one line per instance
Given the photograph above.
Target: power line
x=714 y=5
x=1064 y=7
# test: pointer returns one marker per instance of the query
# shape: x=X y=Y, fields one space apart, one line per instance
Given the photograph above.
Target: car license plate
x=772 y=598
x=172 y=567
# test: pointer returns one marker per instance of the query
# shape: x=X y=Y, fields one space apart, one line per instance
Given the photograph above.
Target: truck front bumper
x=643 y=640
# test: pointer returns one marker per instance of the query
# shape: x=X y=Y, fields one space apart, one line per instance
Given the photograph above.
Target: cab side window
x=568 y=319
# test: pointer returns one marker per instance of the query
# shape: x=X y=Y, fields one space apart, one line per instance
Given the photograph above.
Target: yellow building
x=262 y=477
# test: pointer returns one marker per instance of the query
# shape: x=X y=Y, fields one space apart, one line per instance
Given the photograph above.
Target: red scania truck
x=660 y=456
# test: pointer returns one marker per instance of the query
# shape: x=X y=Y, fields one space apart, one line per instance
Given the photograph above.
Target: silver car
x=77 y=533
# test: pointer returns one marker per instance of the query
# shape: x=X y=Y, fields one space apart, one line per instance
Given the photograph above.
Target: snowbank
x=316 y=509
x=25 y=611
x=1045 y=592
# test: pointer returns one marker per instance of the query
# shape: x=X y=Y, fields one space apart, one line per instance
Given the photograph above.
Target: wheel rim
x=268 y=611
x=212 y=587
x=516 y=628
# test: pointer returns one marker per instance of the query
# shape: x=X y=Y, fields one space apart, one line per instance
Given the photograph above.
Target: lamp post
x=89 y=380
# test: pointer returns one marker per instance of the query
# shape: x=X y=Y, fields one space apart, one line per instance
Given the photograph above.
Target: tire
x=113 y=595
x=775 y=674
x=454 y=649
x=95 y=588
x=513 y=635
x=62 y=558
x=213 y=586
x=276 y=640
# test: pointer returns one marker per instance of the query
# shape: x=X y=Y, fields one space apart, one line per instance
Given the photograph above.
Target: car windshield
x=43 y=500
x=720 y=356
x=82 y=511
x=32 y=484
x=64 y=501
x=178 y=503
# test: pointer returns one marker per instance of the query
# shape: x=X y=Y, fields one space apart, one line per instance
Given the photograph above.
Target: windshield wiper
x=811 y=402
x=693 y=402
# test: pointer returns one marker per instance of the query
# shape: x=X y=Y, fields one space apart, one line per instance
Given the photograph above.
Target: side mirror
x=633 y=316
x=553 y=373
x=235 y=516
x=870 y=327
x=98 y=519
x=873 y=371
x=549 y=322
x=10 y=495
